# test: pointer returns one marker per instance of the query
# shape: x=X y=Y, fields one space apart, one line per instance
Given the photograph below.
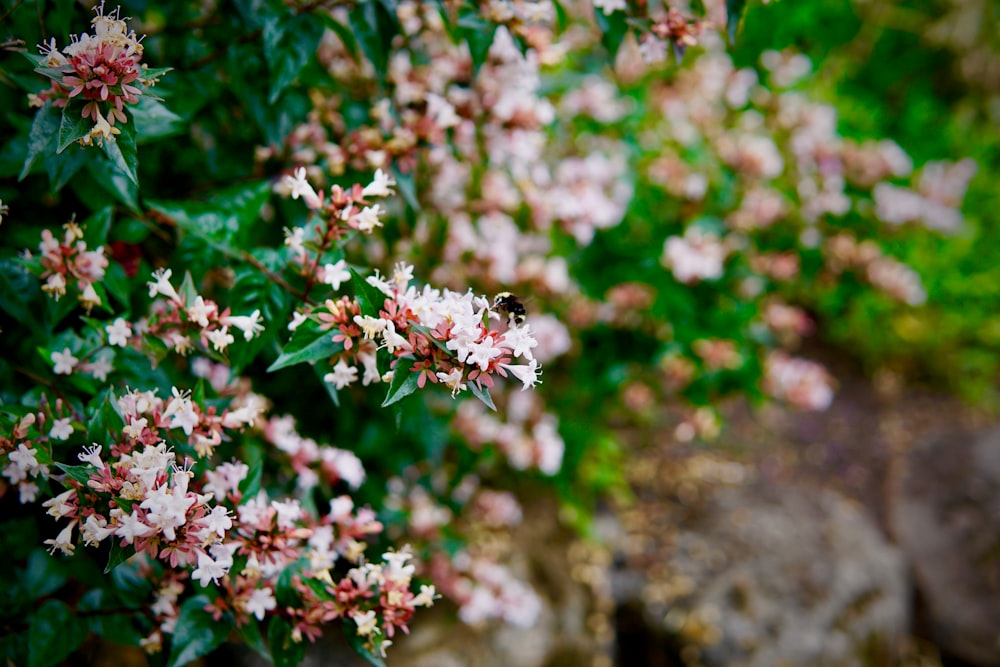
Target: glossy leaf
x=404 y=382
x=196 y=633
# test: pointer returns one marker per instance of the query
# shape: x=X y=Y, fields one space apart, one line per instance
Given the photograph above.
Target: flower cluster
x=802 y=383
x=441 y=336
x=68 y=259
x=183 y=317
x=207 y=524
x=103 y=69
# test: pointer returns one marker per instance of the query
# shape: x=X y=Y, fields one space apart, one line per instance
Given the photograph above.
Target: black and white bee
x=510 y=305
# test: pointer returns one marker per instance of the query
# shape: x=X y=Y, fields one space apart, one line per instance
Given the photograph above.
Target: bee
x=510 y=305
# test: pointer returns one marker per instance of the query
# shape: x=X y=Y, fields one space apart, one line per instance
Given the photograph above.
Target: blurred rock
x=945 y=514
x=759 y=575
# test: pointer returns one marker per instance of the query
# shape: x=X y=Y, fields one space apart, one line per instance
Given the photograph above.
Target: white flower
x=89 y=297
x=100 y=368
x=92 y=455
x=199 y=311
x=367 y=220
x=519 y=340
x=64 y=541
x=61 y=429
x=161 y=285
x=119 y=332
x=380 y=186
x=249 y=324
x=64 y=361
x=208 y=570
x=367 y=623
x=220 y=338
x=483 y=353
x=528 y=375
x=260 y=602
x=298 y=186
x=336 y=274
x=342 y=375
x=453 y=381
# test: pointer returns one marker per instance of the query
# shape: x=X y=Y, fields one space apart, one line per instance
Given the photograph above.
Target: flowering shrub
x=412 y=203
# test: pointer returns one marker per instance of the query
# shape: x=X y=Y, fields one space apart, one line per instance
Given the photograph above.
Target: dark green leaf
x=106 y=424
x=288 y=46
x=308 y=344
x=63 y=166
x=370 y=298
x=358 y=644
x=153 y=120
x=117 y=627
x=284 y=589
x=734 y=13
x=483 y=394
x=404 y=382
x=43 y=131
x=250 y=485
x=406 y=187
x=73 y=125
x=79 y=474
x=251 y=635
x=54 y=632
x=122 y=151
x=196 y=633
x=613 y=29
x=343 y=33
x=45 y=574
x=285 y=651
x=95 y=227
x=117 y=555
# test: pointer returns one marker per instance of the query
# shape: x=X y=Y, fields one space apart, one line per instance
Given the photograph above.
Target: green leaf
x=250 y=485
x=254 y=290
x=108 y=179
x=225 y=221
x=106 y=425
x=319 y=589
x=613 y=29
x=288 y=45
x=284 y=590
x=63 y=166
x=80 y=474
x=95 y=227
x=16 y=289
x=53 y=633
x=131 y=586
x=358 y=644
x=43 y=131
x=118 y=627
x=196 y=633
x=308 y=344
x=370 y=298
x=426 y=331
x=734 y=13
x=406 y=187
x=483 y=394
x=404 y=382
x=376 y=26
x=122 y=151
x=73 y=125
x=153 y=120
x=477 y=32
x=251 y=635
x=45 y=574
x=118 y=555
x=285 y=651
x=344 y=33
